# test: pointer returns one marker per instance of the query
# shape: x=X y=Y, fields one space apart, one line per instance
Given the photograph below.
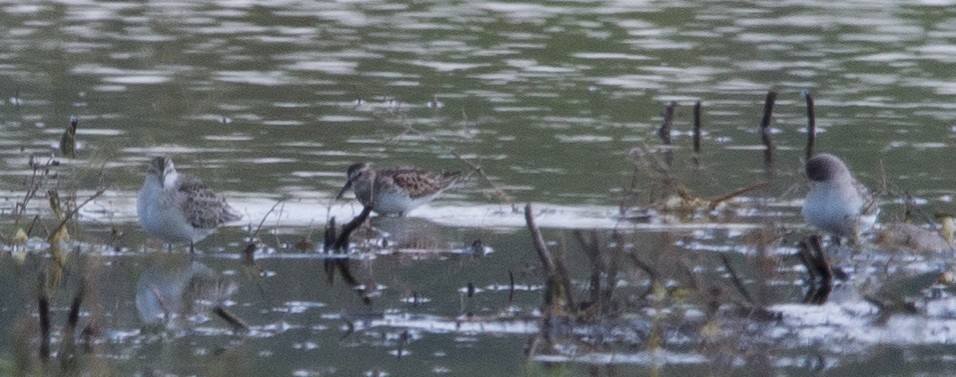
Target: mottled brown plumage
x=396 y=191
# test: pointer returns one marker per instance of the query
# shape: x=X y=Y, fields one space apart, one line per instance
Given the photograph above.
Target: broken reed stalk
x=765 y=126
x=342 y=243
x=43 y=309
x=820 y=261
x=818 y=267
x=68 y=139
x=811 y=124
x=557 y=277
x=339 y=245
x=664 y=132
x=697 y=125
x=237 y=323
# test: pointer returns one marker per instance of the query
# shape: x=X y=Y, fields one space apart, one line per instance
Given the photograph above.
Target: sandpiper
x=179 y=208
x=398 y=190
x=837 y=203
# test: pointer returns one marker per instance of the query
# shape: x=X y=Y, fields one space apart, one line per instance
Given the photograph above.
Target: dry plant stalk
x=765 y=127
x=338 y=244
x=664 y=132
x=811 y=124
x=557 y=277
x=697 y=125
x=68 y=139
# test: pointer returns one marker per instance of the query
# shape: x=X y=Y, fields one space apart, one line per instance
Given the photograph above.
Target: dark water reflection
x=270 y=102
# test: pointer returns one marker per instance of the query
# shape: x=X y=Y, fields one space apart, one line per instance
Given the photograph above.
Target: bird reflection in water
x=174 y=292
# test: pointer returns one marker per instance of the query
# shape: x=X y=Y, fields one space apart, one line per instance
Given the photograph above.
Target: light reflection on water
x=271 y=102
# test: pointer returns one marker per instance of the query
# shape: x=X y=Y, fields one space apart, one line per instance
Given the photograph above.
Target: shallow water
x=269 y=102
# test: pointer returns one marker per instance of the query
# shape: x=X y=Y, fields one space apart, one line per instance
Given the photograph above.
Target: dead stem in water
x=338 y=243
x=765 y=134
x=557 y=282
x=811 y=125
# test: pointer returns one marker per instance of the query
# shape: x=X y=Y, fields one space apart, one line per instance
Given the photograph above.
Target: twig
x=736 y=280
x=811 y=124
x=255 y=234
x=43 y=308
x=342 y=242
x=730 y=195
x=664 y=132
x=477 y=169
x=765 y=127
x=68 y=139
x=697 y=125
x=234 y=321
x=819 y=269
x=557 y=274
x=74 y=211
x=340 y=245
x=538 y=241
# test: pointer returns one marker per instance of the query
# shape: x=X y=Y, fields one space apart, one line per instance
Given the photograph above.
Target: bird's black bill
x=345 y=188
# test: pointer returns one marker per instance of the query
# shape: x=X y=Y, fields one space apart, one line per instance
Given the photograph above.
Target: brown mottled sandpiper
x=396 y=191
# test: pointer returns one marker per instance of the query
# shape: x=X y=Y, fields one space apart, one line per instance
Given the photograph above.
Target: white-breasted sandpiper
x=837 y=203
x=179 y=208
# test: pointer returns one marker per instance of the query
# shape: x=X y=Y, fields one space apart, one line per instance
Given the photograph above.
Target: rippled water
x=270 y=102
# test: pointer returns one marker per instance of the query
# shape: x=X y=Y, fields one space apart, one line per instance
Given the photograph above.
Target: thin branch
x=811 y=124
x=697 y=125
x=765 y=127
x=736 y=280
x=730 y=195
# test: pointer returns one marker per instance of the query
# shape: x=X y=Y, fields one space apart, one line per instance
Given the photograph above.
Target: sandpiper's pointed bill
x=837 y=203
x=396 y=191
x=179 y=208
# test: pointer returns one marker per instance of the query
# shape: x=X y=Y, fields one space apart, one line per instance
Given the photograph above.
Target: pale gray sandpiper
x=179 y=208
x=396 y=191
x=837 y=203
